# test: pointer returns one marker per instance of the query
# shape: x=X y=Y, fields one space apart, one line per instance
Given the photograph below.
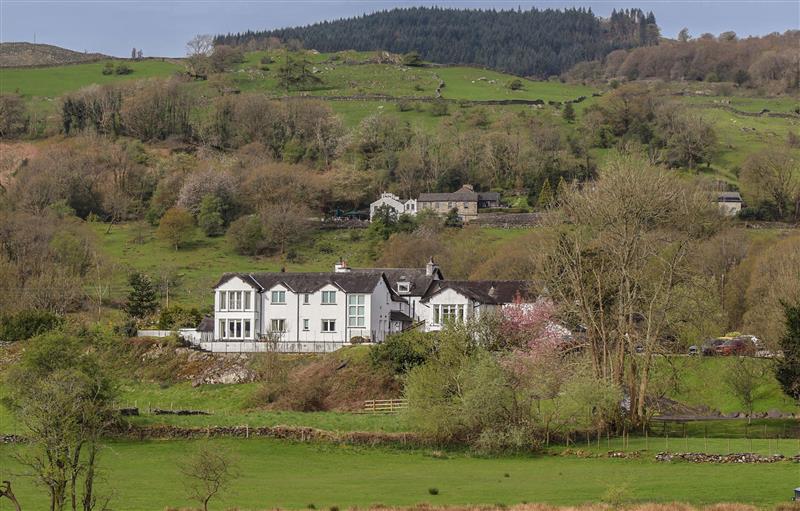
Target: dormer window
x=403 y=287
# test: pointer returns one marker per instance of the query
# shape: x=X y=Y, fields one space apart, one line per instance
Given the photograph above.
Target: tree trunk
x=5 y=491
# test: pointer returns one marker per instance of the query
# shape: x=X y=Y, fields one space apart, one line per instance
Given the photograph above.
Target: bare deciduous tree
x=208 y=472
x=5 y=491
x=619 y=258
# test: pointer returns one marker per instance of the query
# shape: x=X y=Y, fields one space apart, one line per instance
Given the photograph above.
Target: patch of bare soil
x=14 y=155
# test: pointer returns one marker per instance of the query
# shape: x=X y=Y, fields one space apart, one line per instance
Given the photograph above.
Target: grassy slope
x=203 y=261
x=354 y=73
x=281 y=474
x=702 y=382
x=54 y=81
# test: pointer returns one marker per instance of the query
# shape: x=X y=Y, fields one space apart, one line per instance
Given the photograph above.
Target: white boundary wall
x=264 y=347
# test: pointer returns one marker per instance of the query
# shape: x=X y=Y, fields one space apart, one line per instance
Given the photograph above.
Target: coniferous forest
x=534 y=42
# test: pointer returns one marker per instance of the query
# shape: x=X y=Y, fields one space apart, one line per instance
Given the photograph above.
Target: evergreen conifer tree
x=545 y=199
x=142 y=300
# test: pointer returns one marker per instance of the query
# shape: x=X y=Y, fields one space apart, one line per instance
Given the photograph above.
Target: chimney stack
x=431 y=268
x=341 y=267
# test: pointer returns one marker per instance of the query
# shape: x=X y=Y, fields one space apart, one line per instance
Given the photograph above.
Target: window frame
x=326 y=324
x=275 y=293
x=356 y=301
x=223 y=300
x=306 y=324
x=282 y=322
x=326 y=296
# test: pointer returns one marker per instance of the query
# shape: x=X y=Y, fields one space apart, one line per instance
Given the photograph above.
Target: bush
x=123 y=69
x=27 y=324
x=515 y=84
x=439 y=108
x=404 y=105
x=178 y=317
x=403 y=351
x=433 y=491
x=108 y=69
x=246 y=235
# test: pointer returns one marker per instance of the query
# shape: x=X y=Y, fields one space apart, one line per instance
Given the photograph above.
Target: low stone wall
x=294 y=433
x=745 y=457
x=508 y=220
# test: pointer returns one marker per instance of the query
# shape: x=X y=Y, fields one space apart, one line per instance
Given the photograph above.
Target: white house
x=321 y=312
x=408 y=207
x=304 y=312
x=729 y=203
x=411 y=284
x=461 y=300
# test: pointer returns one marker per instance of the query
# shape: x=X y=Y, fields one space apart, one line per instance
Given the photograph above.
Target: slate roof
x=495 y=292
x=350 y=282
x=400 y=316
x=729 y=197
x=464 y=194
x=420 y=282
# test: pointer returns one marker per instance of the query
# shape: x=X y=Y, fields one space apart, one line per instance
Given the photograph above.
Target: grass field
x=144 y=476
x=701 y=381
x=53 y=81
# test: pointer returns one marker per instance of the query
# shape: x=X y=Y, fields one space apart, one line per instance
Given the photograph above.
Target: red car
x=736 y=347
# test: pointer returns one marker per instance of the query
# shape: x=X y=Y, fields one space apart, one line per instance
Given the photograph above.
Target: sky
x=162 y=27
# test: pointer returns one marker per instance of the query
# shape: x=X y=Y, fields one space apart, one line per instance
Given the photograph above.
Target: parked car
x=736 y=346
x=709 y=348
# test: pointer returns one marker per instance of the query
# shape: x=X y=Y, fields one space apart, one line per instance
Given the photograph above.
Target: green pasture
x=145 y=476
x=54 y=81
x=477 y=84
x=700 y=381
x=740 y=136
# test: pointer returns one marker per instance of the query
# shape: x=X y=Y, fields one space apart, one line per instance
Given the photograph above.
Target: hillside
x=29 y=54
x=535 y=42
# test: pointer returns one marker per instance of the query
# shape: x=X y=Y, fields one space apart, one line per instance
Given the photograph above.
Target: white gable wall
x=224 y=312
x=449 y=297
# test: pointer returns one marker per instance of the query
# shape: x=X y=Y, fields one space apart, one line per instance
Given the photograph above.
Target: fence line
x=384 y=405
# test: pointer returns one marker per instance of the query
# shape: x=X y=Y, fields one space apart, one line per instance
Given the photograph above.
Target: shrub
x=404 y=105
x=179 y=317
x=246 y=235
x=123 y=69
x=439 y=108
x=108 y=69
x=515 y=84
x=400 y=352
x=433 y=491
x=27 y=324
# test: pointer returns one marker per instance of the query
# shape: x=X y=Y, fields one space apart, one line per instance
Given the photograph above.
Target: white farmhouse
x=408 y=207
